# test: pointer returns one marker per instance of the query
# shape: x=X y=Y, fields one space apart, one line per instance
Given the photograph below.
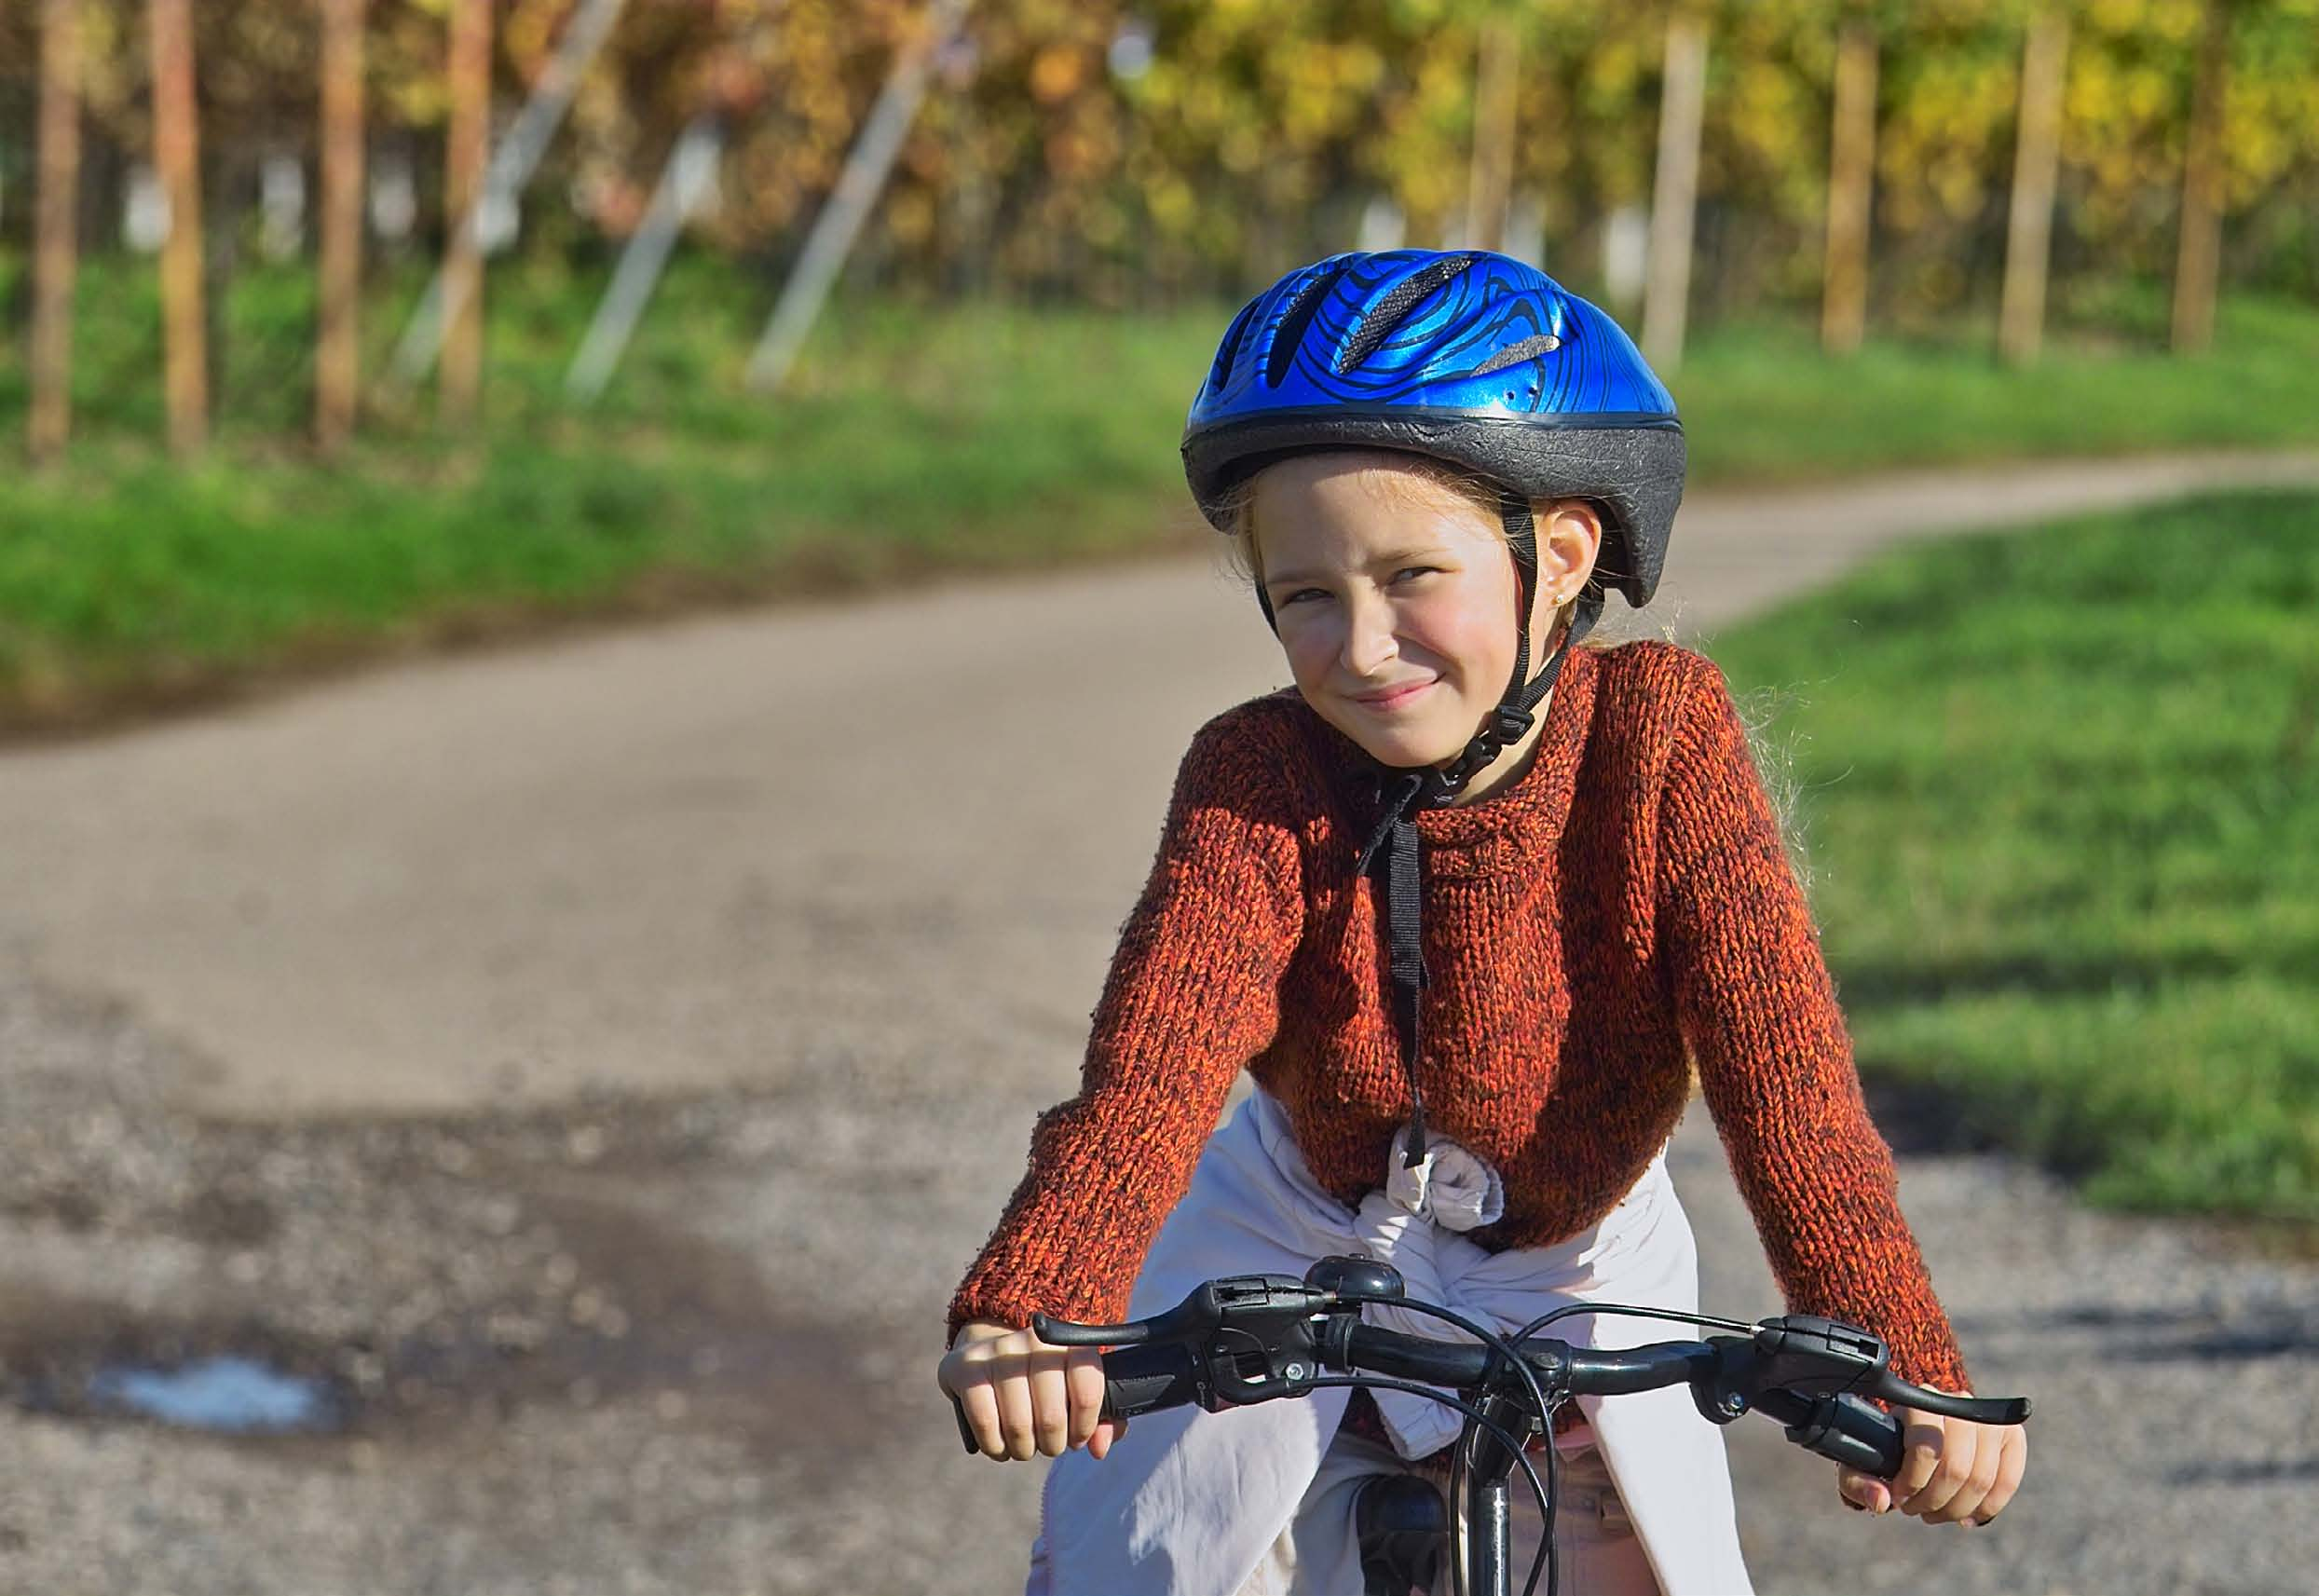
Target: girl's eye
x=1301 y=594
x=1415 y=571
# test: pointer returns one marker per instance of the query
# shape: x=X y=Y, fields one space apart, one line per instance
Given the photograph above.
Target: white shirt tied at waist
x=1189 y=1501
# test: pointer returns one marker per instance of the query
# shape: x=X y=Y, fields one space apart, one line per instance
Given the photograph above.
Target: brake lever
x=1237 y=1301
x=1815 y=1356
x=1972 y=1409
x=1249 y=1335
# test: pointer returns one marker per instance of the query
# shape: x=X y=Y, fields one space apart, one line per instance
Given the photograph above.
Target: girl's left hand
x=1952 y=1472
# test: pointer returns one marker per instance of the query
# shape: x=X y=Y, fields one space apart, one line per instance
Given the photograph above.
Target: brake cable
x=1539 y=1491
x=1503 y=1346
x=1673 y=1315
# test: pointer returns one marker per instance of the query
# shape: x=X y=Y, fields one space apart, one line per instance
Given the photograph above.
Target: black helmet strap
x=1407 y=791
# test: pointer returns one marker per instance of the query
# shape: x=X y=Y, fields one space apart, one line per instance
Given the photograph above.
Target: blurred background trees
x=1131 y=154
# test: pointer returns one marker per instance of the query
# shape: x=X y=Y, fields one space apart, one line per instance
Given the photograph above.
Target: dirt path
x=404 y=1026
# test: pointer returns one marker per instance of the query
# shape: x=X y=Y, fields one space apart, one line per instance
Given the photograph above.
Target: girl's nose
x=1369 y=640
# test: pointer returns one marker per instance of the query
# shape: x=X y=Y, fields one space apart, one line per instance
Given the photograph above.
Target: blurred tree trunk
x=470 y=73
x=1851 y=190
x=2198 y=262
x=1490 y=189
x=177 y=159
x=1675 y=191
x=337 y=369
x=2037 y=155
x=503 y=176
x=55 y=245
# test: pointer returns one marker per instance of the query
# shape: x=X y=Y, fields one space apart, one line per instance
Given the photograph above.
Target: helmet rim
x=1631 y=463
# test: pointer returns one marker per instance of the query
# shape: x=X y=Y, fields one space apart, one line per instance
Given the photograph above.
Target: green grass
x=916 y=439
x=2062 y=803
x=1761 y=404
x=122 y=576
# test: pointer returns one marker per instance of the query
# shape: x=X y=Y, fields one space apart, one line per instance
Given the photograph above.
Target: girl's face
x=1396 y=599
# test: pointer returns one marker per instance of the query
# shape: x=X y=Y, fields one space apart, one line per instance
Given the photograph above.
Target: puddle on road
x=697 y=1341
x=72 y=1359
x=627 y=1310
x=235 y=1395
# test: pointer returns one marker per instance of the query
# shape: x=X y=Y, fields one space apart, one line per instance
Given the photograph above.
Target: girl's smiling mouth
x=1394 y=697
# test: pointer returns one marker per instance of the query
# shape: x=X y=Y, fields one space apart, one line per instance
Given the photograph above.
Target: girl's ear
x=1570 y=536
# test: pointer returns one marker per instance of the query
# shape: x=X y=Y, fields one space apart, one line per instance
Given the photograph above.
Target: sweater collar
x=1499 y=832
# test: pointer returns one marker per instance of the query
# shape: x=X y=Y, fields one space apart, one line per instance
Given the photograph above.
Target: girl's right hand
x=1021 y=1395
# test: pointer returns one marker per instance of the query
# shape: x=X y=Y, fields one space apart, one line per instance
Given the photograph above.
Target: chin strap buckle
x=1441 y=787
x=1444 y=786
x=1511 y=724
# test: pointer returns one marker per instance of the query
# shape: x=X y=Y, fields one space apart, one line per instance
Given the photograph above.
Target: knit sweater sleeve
x=1759 y=1013
x=1190 y=1000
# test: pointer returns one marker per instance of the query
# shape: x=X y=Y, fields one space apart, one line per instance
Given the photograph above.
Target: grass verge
x=2059 y=791
x=914 y=440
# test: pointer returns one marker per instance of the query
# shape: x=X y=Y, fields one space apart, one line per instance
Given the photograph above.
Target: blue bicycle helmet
x=1485 y=361
x=1467 y=356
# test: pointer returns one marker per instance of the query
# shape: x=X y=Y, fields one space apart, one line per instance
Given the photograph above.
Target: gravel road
x=591 y=1065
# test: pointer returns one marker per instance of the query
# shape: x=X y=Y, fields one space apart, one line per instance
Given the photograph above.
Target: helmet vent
x=1302 y=310
x=1514 y=354
x=1389 y=312
x=1229 y=352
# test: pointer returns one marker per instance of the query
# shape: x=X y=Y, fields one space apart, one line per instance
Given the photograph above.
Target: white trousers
x=1189 y=1503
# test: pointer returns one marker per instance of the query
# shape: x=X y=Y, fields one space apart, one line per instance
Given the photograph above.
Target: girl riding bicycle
x=1474 y=907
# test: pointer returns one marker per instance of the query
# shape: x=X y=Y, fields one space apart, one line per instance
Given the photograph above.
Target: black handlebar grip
x=1145 y=1379
x=1855 y=1433
x=1136 y=1380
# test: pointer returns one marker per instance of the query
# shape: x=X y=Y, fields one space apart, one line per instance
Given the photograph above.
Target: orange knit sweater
x=1628 y=895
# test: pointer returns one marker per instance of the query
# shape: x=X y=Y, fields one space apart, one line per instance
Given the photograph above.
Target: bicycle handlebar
x=1804 y=1353
x=1846 y=1429
x=1253 y=1338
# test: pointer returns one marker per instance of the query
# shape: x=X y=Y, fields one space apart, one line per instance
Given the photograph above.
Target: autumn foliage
x=1125 y=153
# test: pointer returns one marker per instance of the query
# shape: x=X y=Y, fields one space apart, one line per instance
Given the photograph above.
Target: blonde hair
x=1236 y=506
